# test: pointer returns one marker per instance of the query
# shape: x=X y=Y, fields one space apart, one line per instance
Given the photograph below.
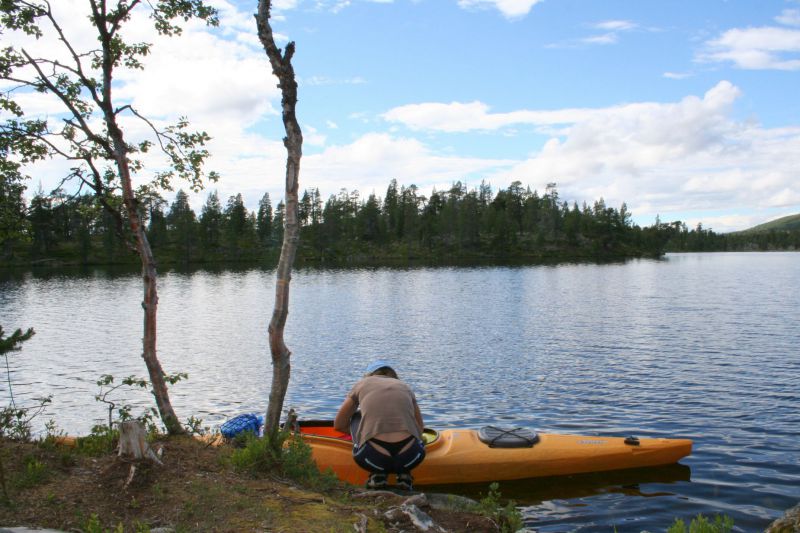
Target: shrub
x=100 y=441
x=283 y=454
x=35 y=472
x=701 y=524
x=507 y=516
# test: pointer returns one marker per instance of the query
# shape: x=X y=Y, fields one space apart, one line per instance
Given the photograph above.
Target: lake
x=703 y=346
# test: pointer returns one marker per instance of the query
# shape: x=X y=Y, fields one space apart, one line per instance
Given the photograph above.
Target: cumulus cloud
x=765 y=48
x=509 y=8
x=464 y=117
x=372 y=160
x=471 y=116
x=678 y=157
x=674 y=157
x=661 y=158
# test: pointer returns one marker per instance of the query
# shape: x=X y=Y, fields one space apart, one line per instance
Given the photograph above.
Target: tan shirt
x=387 y=405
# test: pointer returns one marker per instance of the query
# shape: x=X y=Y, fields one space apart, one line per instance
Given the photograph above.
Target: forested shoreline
x=457 y=225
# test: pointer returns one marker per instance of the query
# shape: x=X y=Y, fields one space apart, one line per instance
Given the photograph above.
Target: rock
x=420 y=500
x=361 y=525
x=788 y=523
x=418 y=518
x=450 y=502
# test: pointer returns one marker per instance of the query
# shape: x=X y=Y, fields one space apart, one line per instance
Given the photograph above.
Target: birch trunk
x=150 y=289
x=283 y=70
x=149 y=274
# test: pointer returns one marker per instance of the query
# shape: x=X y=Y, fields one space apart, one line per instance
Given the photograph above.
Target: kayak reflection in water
x=388 y=437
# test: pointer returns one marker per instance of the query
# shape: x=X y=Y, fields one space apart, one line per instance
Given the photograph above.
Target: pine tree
x=264 y=220
x=182 y=226
x=211 y=225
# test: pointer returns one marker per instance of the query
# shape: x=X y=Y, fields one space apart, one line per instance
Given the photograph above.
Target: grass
x=199 y=488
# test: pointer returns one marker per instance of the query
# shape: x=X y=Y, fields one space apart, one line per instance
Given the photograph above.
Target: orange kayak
x=460 y=456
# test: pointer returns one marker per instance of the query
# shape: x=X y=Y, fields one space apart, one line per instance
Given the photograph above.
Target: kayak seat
x=496 y=437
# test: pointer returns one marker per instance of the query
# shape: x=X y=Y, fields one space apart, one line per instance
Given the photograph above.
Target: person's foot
x=405 y=482
x=377 y=481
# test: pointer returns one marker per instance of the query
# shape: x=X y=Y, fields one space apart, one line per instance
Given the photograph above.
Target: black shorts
x=400 y=462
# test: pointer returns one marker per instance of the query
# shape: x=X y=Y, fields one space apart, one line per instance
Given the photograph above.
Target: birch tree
x=89 y=132
x=281 y=62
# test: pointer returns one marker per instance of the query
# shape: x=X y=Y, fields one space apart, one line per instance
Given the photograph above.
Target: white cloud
x=372 y=160
x=676 y=75
x=463 y=117
x=471 y=116
x=765 y=48
x=312 y=136
x=725 y=223
x=606 y=38
x=658 y=157
x=671 y=158
x=611 y=35
x=509 y=8
x=789 y=17
x=615 y=25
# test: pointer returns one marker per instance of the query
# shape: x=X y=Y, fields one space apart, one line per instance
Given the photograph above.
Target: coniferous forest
x=457 y=225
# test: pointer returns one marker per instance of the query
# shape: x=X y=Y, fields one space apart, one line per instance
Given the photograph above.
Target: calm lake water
x=703 y=346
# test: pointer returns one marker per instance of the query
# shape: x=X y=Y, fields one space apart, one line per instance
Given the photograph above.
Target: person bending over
x=389 y=436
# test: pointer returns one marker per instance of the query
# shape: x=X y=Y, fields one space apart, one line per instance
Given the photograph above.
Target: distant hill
x=791 y=222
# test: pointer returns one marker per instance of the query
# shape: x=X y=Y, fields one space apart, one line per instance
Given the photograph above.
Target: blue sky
x=683 y=109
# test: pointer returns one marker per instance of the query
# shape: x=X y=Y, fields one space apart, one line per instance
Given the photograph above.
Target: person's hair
x=384 y=371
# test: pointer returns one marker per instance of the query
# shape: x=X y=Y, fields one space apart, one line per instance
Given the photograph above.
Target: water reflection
x=631 y=482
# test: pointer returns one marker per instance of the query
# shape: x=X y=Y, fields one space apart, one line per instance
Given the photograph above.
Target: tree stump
x=133 y=447
x=133 y=442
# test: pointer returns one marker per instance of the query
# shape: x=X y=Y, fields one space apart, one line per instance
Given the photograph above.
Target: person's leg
x=379 y=464
x=409 y=458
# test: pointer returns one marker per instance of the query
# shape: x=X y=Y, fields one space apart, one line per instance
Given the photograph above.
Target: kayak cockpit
x=325 y=429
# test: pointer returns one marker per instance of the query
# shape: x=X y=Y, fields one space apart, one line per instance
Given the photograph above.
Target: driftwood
x=133 y=447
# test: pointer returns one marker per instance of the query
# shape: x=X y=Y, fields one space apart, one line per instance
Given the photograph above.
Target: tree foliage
x=458 y=224
x=87 y=132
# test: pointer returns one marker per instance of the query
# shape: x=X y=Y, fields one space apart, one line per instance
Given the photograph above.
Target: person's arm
x=346 y=411
x=418 y=416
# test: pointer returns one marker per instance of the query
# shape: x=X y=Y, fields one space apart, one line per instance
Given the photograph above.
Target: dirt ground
x=196 y=489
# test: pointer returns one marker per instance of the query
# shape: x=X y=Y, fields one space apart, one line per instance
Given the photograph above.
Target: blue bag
x=239 y=424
